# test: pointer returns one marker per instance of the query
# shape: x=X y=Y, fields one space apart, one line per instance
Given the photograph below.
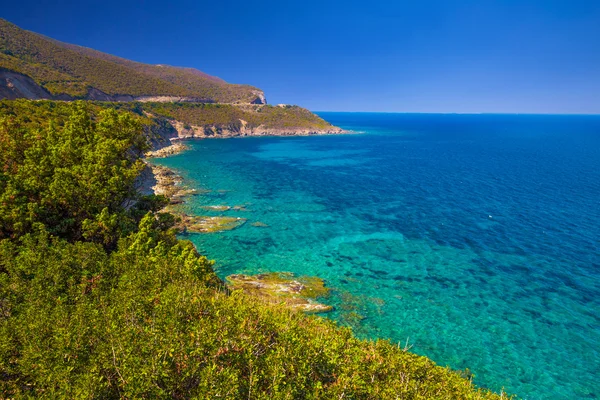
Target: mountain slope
x=65 y=71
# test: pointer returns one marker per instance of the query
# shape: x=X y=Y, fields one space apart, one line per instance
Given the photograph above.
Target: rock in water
x=203 y=224
x=295 y=292
x=260 y=224
x=216 y=208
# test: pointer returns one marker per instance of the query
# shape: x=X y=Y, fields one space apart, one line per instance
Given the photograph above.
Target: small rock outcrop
x=298 y=293
x=204 y=224
x=260 y=97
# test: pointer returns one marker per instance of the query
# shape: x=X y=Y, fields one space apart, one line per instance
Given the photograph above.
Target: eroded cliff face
x=166 y=131
x=18 y=86
x=185 y=131
x=260 y=97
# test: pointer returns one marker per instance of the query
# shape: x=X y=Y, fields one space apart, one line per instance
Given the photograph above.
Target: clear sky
x=527 y=56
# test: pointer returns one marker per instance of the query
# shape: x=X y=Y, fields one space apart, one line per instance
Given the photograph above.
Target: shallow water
x=474 y=237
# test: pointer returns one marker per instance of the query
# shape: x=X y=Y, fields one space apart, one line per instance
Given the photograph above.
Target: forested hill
x=36 y=67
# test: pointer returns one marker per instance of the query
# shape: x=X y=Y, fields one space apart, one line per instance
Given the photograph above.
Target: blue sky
x=539 y=56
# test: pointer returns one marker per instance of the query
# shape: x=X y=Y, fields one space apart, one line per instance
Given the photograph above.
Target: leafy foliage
x=65 y=69
x=74 y=179
x=145 y=316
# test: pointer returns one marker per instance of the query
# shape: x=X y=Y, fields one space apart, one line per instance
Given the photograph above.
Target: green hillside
x=71 y=71
x=99 y=299
x=225 y=115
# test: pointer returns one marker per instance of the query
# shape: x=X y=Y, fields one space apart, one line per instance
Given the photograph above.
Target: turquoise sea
x=473 y=238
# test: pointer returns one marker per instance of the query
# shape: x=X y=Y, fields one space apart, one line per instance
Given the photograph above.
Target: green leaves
x=79 y=169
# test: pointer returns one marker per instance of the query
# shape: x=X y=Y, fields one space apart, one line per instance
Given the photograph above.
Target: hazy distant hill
x=34 y=66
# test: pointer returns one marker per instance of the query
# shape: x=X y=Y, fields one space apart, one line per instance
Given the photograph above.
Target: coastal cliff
x=169 y=122
x=241 y=129
x=224 y=121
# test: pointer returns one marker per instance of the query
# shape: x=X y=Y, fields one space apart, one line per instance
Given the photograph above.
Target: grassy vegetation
x=99 y=299
x=67 y=69
x=229 y=116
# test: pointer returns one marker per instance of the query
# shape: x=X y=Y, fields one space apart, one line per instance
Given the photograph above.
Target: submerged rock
x=216 y=208
x=295 y=292
x=260 y=224
x=203 y=224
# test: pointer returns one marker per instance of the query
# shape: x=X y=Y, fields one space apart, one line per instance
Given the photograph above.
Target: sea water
x=472 y=239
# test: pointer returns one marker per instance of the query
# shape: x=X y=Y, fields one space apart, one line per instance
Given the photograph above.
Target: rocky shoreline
x=180 y=131
x=169 y=184
x=216 y=132
x=297 y=293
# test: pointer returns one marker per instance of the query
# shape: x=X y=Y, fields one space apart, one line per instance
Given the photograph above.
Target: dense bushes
x=81 y=322
x=98 y=298
x=74 y=179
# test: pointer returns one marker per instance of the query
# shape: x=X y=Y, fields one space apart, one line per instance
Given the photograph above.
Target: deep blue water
x=474 y=237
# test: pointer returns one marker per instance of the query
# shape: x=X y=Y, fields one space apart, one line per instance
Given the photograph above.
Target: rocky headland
x=188 y=131
x=169 y=150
